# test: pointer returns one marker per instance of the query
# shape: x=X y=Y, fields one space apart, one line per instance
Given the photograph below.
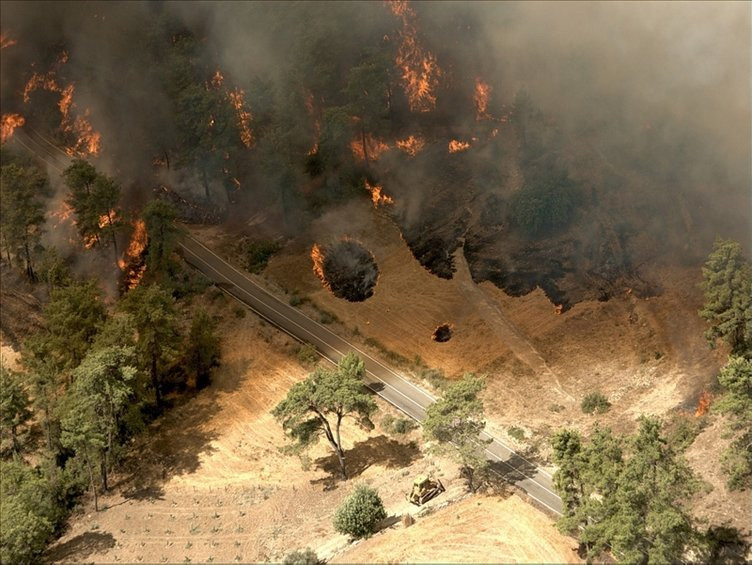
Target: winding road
x=389 y=385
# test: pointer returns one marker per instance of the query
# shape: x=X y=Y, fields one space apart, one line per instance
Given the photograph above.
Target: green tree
x=15 y=407
x=728 y=297
x=736 y=379
x=455 y=421
x=152 y=310
x=302 y=557
x=43 y=377
x=159 y=217
x=360 y=513
x=29 y=513
x=74 y=315
x=626 y=496
x=94 y=199
x=317 y=405
x=202 y=348
x=22 y=211
x=106 y=386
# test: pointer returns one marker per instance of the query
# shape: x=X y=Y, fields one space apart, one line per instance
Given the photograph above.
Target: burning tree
x=94 y=198
x=317 y=406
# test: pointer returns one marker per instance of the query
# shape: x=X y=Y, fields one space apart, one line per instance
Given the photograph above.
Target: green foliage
x=93 y=196
x=15 y=407
x=159 y=218
x=317 y=405
x=515 y=432
x=397 y=426
x=302 y=557
x=736 y=379
x=546 y=204
x=625 y=495
x=595 y=403
x=258 y=253
x=74 y=316
x=727 y=283
x=360 y=513
x=454 y=423
x=21 y=210
x=29 y=513
x=202 y=348
x=307 y=354
x=54 y=270
x=153 y=312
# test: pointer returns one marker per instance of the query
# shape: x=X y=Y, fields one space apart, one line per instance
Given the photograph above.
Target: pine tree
x=15 y=407
x=202 y=348
x=728 y=297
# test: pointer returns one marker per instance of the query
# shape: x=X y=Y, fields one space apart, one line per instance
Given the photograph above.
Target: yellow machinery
x=424 y=489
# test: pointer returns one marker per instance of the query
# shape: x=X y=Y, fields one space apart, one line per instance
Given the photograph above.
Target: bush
x=307 y=354
x=546 y=205
x=436 y=377
x=397 y=426
x=258 y=253
x=360 y=513
x=304 y=557
x=516 y=433
x=595 y=403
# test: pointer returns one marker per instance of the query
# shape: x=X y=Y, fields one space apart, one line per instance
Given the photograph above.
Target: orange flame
x=131 y=262
x=456 y=145
x=237 y=97
x=316 y=122
x=703 y=404
x=9 y=123
x=6 y=41
x=87 y=140
x=482 y=92
x=412 y=145
x=420 y=71
x=377 y=195
x=375 y=147
x=318 y=256
x=217 y=79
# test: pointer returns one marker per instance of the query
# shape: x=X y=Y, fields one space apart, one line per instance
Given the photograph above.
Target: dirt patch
x=346 y=268
x=476 y=530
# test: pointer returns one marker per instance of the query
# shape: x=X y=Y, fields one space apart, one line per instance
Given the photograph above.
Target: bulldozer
x=424 y=489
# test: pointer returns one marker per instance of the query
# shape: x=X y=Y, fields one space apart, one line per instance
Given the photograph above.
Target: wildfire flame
x=377 y=195
x=703 y=404
x=456 y=145
x=316 y=122
x=237 y=97
x=217 y=79
x=6 y=41
x=318 y=256
x=375 y=147
x=420 y=71
x=9 y=123
x=87 y=141
x=412 y=145
x=482 y=93
x=131 y=263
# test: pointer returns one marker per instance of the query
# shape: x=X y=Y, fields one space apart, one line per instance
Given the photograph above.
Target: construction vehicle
x=424 y=489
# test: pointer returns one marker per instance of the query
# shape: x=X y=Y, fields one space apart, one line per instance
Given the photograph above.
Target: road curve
x=385 y=382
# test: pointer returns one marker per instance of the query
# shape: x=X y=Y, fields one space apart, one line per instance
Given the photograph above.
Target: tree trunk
x=112 y=233
x=155 y=381
x=29 y=267
x=92 y=483
x=103 y=469
x=340 y=452
x=14 y=441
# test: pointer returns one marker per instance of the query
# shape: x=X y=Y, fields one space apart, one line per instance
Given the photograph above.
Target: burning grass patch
x=347 y=269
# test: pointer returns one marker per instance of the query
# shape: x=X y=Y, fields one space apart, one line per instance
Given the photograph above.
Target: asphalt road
x=384 y=381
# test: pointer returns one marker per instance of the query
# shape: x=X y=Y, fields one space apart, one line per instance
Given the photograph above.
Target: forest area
x=127 y=125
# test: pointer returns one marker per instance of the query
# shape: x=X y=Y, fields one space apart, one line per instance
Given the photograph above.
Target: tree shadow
x=81 y=547
x=513 y=470
x=380 y=449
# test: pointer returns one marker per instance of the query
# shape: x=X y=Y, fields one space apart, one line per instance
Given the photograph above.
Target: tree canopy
x=360 y=513
x=736 y=379
x=454 y=423
x=625 y=495
x=727 y=283
x=317 y=405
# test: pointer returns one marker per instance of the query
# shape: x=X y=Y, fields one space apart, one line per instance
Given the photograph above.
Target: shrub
x=258 y=253
x=304 y=557
x=545 y=205
x=435 y=376
x=307 y=354
x=595 y=403
x=360 y=513
x=397 y=426
x=516 y=433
